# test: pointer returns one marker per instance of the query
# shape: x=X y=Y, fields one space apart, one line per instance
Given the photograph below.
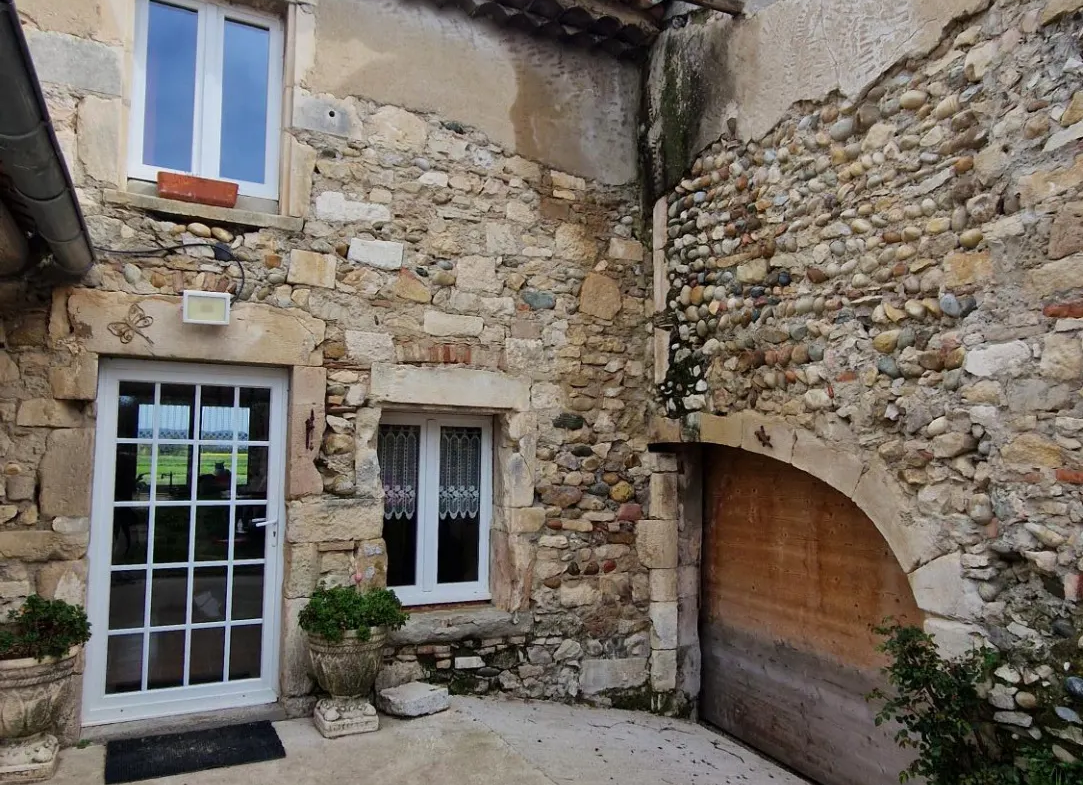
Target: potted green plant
x=38 y=646
x=346 y=631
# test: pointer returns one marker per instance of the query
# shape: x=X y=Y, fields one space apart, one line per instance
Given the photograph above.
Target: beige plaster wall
x=754 y=69
x=558 y=105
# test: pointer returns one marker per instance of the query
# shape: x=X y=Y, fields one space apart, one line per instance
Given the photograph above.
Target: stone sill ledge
x=222 y=215
x=448 y=626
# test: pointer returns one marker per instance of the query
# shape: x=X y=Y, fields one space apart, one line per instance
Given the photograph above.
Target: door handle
x=261 y=523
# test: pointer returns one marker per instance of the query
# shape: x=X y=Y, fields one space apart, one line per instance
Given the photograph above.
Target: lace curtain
x=460 y=472
x=397 y=448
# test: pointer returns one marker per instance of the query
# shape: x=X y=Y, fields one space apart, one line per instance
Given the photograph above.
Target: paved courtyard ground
x=489 y=742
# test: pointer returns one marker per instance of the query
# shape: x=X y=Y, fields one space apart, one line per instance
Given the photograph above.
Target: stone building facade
x=868 y=271
x=415 y=262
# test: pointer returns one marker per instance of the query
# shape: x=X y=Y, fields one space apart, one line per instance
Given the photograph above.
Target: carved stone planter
x=347 y=671
x=32 y=695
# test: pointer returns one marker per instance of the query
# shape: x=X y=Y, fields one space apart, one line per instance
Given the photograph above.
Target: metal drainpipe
x=30 y=156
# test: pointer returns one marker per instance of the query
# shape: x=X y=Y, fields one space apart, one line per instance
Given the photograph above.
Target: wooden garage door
x=793 y=575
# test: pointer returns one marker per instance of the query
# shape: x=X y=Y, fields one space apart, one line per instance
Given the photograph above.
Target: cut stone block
x=335 y=717
x=415 y=699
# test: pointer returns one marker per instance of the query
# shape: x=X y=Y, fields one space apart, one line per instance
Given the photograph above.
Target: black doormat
x=130 y=760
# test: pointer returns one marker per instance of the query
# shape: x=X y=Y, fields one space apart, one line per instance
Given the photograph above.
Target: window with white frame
x=438 y=496
x=207 y=94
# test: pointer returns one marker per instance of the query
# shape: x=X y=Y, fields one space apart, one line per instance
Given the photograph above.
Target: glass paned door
x=184 y=570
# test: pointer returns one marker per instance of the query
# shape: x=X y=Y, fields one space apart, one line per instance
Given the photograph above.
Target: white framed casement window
x=437 y=476
x=207 y=94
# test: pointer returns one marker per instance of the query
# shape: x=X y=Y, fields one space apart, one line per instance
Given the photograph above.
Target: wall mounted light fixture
x=206 y=308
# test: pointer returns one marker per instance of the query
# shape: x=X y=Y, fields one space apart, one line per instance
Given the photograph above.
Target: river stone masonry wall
x=900 y=275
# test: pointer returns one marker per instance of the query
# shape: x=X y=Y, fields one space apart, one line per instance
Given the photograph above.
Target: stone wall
x=883 y=289
x=414 y=263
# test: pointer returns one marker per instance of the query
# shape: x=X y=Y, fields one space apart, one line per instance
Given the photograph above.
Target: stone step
x=415 y=699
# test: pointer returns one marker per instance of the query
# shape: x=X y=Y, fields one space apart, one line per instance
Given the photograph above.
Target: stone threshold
x=221 y=215
x=180 y=723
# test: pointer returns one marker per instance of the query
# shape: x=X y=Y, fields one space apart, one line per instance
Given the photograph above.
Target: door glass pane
x=248 y=592
x=168 y=597
x=124 y=668
x=169 y=118
x=460 y=505
x=174 y=472
x=245 y=71
x=177 y=414
x=209 y=595
x=250 y=539
x=252 y=468
x=135 y=410
x=398 y=450
x=166 y=665
x=127 y=598
x=245 y=651
x=208 y=652
x=216 y=413
x=132 y=478
x=171 y=526
x=130 y=526
x=215 y=472
x=212 y=533
x=255 y=414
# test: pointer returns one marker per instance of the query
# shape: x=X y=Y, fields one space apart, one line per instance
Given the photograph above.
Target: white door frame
x=99 y=708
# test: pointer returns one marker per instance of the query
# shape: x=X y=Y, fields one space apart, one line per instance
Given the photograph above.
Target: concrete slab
x=488 y=742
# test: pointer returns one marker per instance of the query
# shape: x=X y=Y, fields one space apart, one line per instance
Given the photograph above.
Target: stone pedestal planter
x=347 y=671
x=32 y=694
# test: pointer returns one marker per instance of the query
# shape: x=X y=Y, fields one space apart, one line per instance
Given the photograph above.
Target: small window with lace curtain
x=437 y=481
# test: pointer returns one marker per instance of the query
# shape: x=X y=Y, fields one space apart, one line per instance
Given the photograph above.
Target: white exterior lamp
x=206 y=308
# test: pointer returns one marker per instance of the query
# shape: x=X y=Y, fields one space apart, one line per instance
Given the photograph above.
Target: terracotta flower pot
x=32 y=694
x=347 y=669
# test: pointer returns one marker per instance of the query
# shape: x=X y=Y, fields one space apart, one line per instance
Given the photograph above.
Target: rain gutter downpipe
x=43 y=199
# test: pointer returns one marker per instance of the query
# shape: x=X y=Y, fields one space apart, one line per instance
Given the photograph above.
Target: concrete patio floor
x=489 y=742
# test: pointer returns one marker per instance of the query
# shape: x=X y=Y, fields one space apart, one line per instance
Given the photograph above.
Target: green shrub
x=333 y=612
x=944 y=717
x=940 y=710
x=43 y=628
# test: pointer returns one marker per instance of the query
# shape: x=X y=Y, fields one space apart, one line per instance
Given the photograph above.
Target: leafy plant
x=331 y=613
x=940 y=710
x=43 y=628
x=1043 y=768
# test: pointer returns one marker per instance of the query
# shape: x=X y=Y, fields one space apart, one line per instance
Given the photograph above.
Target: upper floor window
x=207 y=94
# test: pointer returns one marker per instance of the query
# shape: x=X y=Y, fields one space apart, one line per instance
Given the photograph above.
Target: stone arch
x=931 y=562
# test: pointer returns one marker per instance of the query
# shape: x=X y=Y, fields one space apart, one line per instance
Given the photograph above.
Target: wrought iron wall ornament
x=133 y=324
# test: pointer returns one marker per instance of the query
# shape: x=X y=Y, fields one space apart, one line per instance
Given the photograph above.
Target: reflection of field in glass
x=173 y=465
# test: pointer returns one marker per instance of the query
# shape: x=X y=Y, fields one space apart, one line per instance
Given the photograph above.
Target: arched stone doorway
x=793 y=575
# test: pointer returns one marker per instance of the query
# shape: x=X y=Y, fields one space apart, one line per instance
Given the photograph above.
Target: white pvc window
x=207 y=94
x=438 y=497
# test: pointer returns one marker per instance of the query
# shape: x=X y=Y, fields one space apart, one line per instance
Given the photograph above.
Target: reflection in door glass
x=176 y=413
x=174 y=472
x=127 y=598
x=209 y=594
x=216 y=413
x=135 y=409
x=124 y=669
x=168 y=597
x=208 y=652
x=250 y=535
x=216 y=471
x=245 y=652
x=171 y=526
x=255 y=414
x=166 y=665
x=130 y=528
x=133 y=473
